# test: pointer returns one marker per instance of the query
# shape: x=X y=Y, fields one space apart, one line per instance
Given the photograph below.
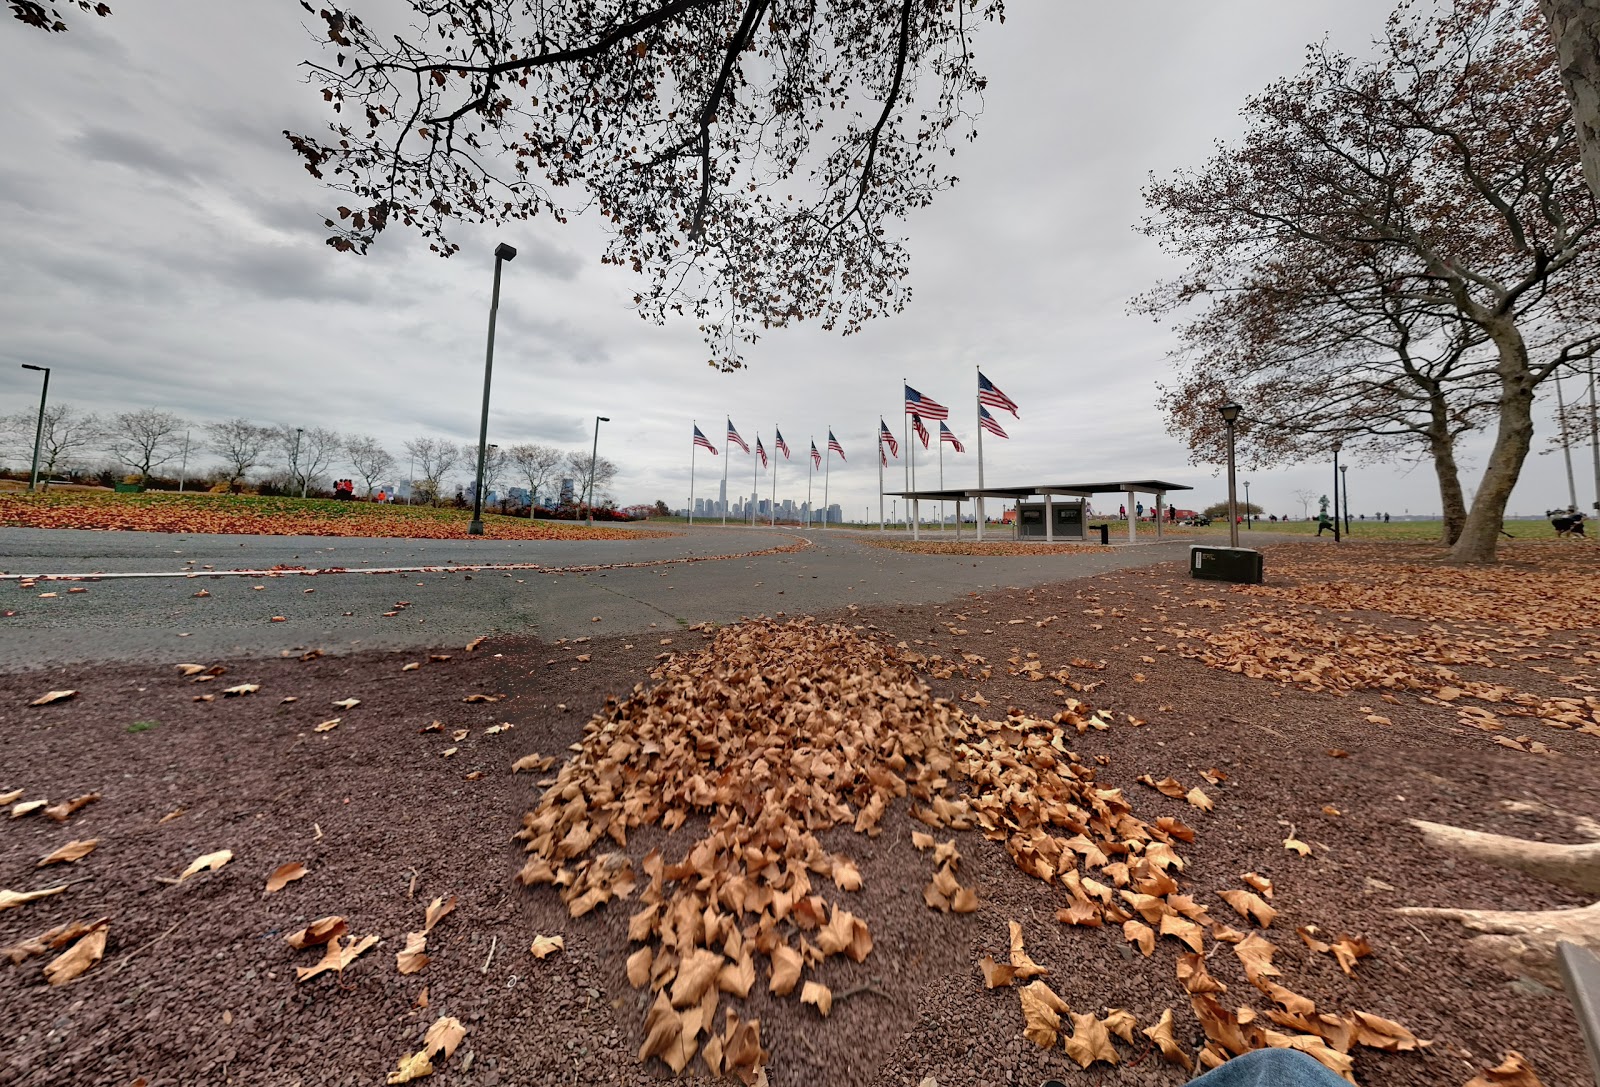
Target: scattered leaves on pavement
x=73 y=851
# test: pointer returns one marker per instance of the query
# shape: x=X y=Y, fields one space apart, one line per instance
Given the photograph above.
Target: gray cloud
x=137 y=153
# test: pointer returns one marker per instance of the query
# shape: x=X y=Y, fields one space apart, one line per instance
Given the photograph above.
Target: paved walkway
x=160 y=619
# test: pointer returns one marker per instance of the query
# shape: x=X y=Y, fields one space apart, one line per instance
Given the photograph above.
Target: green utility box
x=1238 y=564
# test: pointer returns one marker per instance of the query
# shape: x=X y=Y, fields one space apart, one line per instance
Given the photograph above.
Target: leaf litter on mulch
x=776 y=734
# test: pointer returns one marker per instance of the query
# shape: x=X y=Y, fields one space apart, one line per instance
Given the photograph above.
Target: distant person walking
x=1386 y=518
x=1122 y=513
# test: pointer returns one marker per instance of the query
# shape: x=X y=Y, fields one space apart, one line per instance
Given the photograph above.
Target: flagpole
x=911 y=461
x=941 y=476
x=905 y=432
x=881 y=460
x=726 y=431
x=979 y=420
x=774 y=479
x=755 y=481
x=696 y=426
x=810 y=464
x=827 y=466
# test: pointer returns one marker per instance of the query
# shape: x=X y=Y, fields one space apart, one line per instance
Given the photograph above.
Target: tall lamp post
x=593 y=454
x=1338 y=444
x=502 y=254
x=38 y=430
x=1344 y=478
x=1230 y=415
x=1248 y=522
x=299 y=431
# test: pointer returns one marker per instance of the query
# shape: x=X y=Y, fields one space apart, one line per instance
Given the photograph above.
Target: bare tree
x=1453 y=157
x=241 y=444
x=370 y=459
x=433 y=459
x=495 y=463
x=540 y=465
x=144 y=439
x=1304 y=496
x=307 y=453
x=67 y=434
x=604 y=473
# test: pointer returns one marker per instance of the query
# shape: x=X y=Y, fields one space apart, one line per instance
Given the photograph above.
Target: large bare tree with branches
x=748 y=154
x=1450 y=162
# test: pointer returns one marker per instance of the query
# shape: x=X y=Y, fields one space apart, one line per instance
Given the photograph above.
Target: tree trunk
x=1442 y=446
x=1575 y=25
x=1480 y=535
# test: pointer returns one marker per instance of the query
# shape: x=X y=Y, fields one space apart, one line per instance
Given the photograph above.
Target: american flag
x=703 y=442
x=761 y=451
x=834 y=446
x=988 y=394
x=948 y=435
x=781 y=445
x=917 y=404
x=920 y=430
x=816 y=458
x=883 y=458
x=987 y=422
x=733 y=436
x=886 y=436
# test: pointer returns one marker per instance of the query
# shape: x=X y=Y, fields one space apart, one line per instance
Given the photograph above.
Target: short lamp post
x=1337 y=445
x=1344 y=479
x=594 y=454
x=299 y=432
x=1230 y=415
x=1248 y=509
x=502 y=254
x=38 y=429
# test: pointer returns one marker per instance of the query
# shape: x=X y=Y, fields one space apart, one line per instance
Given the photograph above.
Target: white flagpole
x=881 y=526
x=728 y=428
x=810 y=464
x=941 y=475
x=827 y=466
x=979 y=420
x=691 y=471
x=905 y=432
x=774 y=478
x=755 y=481
x=911 y=461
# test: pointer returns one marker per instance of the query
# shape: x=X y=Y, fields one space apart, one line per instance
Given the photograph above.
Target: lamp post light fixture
x=1338 y=444
x=1230 y=415
x=593 y=454
x=502 y=254
x=1344 y=477
x=38 y=430
x=1248 y=522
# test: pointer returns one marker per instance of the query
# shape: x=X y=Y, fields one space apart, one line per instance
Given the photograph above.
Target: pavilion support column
x=979 y=518
x=1049 y=520
x=916 y=517
x=1133 y=518
x=1158 y=515
x=958 y=520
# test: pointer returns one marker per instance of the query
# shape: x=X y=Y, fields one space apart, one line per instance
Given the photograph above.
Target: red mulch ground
x=197 y=985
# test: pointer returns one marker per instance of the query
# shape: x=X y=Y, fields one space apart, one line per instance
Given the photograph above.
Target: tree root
x=1523 y=942
x=1576 y=867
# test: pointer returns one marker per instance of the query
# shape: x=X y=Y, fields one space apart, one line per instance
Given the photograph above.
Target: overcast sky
x=163 y=247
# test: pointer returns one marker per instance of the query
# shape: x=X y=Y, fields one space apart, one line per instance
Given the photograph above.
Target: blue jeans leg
x=1270 y=1068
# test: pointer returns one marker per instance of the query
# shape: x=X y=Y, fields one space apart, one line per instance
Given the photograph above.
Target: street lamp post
x=38 y=430
x=1337 y=445
x=1248 y=521
x=593 y=454
x=298 y=467
x=502 y=253
x=1230 y=416
x=1344 y=478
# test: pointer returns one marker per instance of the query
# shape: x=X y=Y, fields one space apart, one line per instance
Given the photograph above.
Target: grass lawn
x=252 y=514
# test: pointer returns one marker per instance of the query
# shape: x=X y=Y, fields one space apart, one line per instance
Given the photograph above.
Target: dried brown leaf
x=283 y=875
x=72 y=851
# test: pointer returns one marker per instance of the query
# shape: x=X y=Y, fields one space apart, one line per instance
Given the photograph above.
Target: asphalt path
x=159 y=619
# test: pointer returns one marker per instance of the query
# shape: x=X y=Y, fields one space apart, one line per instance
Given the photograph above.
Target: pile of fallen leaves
x=775 y=733
x=251 y=514
x=1315 y=635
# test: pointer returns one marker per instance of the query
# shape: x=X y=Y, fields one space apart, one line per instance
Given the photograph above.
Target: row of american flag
x=918 y=406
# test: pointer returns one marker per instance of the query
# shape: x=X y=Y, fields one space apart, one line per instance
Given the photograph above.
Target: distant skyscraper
x=835 y=514
x=569 y=490
x=722 y=498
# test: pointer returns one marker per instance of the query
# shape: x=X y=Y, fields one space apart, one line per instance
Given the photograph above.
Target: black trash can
x=1104 y=530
